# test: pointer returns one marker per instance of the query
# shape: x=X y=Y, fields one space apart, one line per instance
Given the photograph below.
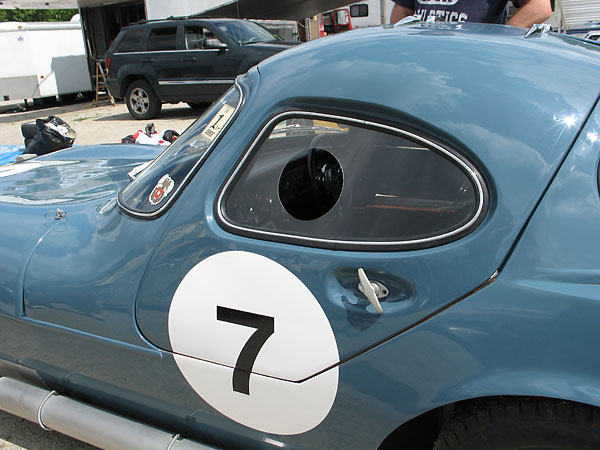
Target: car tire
x=141 y=100
x=519 y=423
x=194 y=105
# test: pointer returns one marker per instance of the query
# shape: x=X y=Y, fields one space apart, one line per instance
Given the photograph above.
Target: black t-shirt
x=485 y=11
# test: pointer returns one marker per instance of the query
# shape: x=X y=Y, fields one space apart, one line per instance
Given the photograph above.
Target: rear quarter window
x=162 y=39
x=157 y=185
x=131 y=41
x=336 y=183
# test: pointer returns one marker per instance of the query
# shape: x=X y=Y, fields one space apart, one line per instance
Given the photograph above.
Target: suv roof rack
x=191 y=16
x=143 y=21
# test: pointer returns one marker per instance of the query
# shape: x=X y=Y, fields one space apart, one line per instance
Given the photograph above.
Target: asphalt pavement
x=94 y=123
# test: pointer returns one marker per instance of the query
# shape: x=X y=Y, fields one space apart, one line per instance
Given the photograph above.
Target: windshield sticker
x=161 y=190
x=218 y=121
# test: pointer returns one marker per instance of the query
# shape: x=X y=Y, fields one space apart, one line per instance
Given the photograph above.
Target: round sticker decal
x=249 y=337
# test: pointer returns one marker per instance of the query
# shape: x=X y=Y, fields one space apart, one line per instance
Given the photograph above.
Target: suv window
x=164 y=38
x=131 y=41
x=246 y=32
x=194 y=37
x=349 y=184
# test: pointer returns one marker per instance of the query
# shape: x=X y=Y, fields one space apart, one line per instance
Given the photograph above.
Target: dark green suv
x=183 y=59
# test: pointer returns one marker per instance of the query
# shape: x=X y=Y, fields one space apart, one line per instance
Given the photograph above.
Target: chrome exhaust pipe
x=85 y=422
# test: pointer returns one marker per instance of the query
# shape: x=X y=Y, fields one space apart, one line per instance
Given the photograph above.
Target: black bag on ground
x=51 y=134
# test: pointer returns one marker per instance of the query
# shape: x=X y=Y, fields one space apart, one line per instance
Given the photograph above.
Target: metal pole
x=383 y=12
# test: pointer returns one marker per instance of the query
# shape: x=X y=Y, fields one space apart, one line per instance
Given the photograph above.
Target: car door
x=163 y=59
x=328 y=237
x=209 y=66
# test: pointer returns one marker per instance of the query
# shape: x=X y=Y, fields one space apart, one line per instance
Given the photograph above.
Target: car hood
x=36 y=194
x=71 y=177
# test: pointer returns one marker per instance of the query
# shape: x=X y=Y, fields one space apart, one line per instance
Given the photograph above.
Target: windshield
x=155 y=186
x=246 y=32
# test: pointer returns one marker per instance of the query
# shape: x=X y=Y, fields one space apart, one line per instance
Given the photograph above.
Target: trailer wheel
x=141 y=100
x=68 y=98
x=523 y=423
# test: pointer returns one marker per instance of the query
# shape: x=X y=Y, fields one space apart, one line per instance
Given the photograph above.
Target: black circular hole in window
x=311 y=184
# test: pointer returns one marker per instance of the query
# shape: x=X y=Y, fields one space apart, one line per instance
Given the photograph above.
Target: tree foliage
x=36 y=15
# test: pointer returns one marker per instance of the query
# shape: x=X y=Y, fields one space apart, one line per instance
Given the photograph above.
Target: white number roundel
x=245 y=332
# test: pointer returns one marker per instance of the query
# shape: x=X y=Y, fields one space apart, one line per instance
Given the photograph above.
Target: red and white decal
x=161 y=190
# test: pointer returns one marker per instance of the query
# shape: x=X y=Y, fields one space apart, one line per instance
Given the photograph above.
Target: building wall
x=161 y=9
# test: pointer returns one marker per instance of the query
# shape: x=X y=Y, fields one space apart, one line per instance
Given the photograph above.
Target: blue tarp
x=9 y=153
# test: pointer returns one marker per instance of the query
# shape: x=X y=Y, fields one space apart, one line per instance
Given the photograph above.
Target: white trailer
x=576 y=16
x=370 y=13
x=42 y=59
x=161 y=9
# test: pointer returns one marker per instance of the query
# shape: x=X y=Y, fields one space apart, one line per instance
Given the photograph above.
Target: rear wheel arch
x=128 y=79
x=460 y=425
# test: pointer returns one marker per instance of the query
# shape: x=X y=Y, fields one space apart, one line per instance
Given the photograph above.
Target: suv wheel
x=142 y=102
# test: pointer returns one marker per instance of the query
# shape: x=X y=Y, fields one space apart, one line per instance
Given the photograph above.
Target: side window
x=351 y=185
x=131 y=41
x=360 y=10
x=155 y=186
x=161 y=39
x=194 y=37
x=210 y=35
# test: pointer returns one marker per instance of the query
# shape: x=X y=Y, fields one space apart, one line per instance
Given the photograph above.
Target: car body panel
x=516 y=336
x=508 y=309
x=427 y=279
x=74 y=180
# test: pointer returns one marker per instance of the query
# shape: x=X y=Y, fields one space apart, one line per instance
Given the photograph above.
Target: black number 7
x=265 y=327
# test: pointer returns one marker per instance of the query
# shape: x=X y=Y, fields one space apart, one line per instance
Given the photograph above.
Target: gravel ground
x=20 y=434
x=96 y=124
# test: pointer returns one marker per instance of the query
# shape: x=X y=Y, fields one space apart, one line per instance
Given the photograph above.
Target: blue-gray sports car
x=383 y=239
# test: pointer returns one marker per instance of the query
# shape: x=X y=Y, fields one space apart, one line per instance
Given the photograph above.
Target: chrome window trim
x=472 y=174
x=168 y=51
x=215 y=50
x=193 y=170
x=147 y=52
x=188 y=82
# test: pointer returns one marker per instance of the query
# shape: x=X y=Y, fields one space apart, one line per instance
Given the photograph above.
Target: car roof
x=170 y=20
x=452 y=77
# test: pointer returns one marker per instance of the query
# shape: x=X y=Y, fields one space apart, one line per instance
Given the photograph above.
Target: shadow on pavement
x=33 y=114
x=183 y=112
